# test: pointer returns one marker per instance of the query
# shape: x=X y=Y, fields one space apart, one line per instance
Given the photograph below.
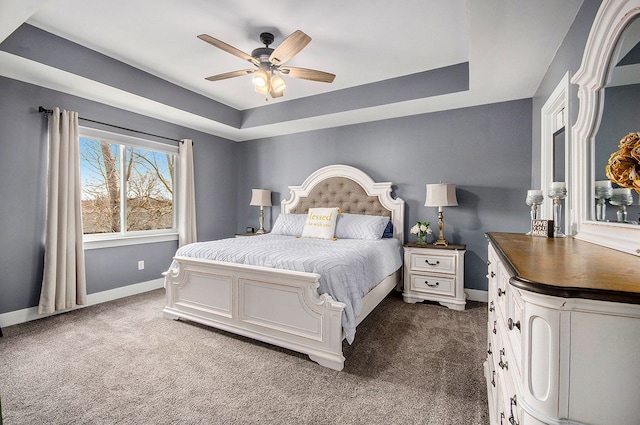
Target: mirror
x=554 y=148
x=620 y=116
x=608 y=90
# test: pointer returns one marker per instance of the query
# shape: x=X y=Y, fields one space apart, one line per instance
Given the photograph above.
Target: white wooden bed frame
x=283 y=307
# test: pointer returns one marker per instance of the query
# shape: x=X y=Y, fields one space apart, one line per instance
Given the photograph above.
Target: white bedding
x=349 y=268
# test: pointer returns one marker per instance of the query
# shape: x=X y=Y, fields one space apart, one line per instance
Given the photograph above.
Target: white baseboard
x=31 y=313
x=477 y=295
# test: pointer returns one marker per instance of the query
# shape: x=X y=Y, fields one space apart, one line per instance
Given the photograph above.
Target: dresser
x=434 y=273
x=563 y=342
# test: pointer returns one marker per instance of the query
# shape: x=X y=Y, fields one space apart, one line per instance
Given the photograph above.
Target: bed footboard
x=279 y=307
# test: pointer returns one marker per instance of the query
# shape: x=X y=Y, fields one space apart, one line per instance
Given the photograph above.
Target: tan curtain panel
x=63 y=282
x=187 y=195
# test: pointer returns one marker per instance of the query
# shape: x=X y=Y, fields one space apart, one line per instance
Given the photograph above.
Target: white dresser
x=563 y=332
x=434 y=273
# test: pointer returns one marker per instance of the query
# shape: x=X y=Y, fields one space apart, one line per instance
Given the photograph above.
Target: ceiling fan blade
x=290 y=47
x=229 y=48
x=230 y=74
x=308 y=74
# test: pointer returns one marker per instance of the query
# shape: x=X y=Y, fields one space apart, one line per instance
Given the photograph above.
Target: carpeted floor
x=122 y=363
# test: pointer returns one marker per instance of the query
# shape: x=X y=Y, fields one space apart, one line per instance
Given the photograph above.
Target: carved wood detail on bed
x=283 y=307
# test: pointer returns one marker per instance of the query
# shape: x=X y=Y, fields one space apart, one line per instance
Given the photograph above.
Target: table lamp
x=261 y=198
x=441 y=195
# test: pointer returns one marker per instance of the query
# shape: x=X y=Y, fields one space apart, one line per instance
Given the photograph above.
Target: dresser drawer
x=433 y=284
x=433 y=263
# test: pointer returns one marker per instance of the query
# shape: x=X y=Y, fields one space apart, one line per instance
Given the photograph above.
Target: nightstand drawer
x=433 y=263
x=433 y=284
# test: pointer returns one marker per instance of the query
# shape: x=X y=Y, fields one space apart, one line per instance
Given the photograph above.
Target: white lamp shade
x=261 y=197
x=277 y=84
x=441 y=195
x=260 y=78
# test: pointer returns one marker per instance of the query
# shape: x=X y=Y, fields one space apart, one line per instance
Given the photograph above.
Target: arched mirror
x=606 y=209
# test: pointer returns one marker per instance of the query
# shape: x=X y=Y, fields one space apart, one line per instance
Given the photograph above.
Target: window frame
x=124 y=237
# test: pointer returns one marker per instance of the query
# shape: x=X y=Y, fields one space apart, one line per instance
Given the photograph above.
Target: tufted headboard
x=348 y=188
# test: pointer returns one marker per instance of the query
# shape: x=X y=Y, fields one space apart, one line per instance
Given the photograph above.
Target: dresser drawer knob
x=493 y=379
x=495 y=323
x=503 y=365
x=431 y=285
x=432 y=264
x=488 y=262
x=511 y=324
x=501 y=292
x=489 y=352
x=492 y=274
x=491 y=307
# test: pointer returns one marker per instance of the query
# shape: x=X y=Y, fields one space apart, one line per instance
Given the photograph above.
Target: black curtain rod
x=50 y=111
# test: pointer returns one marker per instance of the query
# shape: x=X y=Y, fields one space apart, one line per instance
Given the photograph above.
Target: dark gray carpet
x=122 y=363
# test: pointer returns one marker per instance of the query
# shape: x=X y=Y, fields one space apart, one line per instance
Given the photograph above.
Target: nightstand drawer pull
x=493 y=379
x=491 y=306
x=501 y=292
x=489 y=352
x=492 y=274
x=495 y=324
x=432 y=285
x=437 y=263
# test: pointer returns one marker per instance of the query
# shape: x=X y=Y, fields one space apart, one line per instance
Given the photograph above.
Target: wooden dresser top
x=569 y=268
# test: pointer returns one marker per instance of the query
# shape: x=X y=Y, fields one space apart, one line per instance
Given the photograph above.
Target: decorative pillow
x=321 y=223
x=289 y=224
x=388 y=231
x=358 y=226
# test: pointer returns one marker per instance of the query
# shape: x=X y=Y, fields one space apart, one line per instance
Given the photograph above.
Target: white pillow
x=289 y=224
x=358 y=226
x=321 y=223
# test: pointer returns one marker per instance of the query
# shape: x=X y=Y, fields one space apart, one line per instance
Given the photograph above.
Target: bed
x=280 y=306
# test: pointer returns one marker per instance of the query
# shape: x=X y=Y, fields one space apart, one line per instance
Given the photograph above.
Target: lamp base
x=260 y=232
x=441 y=240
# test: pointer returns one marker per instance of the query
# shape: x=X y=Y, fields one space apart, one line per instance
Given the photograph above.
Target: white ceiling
x=509 y=45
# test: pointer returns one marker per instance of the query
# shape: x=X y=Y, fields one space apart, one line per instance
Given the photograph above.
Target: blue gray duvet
x=349 y=268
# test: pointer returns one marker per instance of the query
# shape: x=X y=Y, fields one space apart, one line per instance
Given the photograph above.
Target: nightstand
x=434 y=273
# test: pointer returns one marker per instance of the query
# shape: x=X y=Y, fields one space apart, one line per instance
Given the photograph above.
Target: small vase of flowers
x=421 y=230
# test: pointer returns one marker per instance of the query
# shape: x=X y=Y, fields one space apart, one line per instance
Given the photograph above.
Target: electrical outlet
x=141 y=265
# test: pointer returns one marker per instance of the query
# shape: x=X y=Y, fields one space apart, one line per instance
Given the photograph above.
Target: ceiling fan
x=270 y=62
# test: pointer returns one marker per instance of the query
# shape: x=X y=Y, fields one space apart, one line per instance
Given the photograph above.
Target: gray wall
x=23 y=163
x=484 y=150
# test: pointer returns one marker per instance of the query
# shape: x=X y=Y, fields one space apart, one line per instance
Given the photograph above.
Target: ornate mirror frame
x=611 y=20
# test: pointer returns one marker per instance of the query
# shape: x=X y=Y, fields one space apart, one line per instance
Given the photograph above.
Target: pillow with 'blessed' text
x=321 y=223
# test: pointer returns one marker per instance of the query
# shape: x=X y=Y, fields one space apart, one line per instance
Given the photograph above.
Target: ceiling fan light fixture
x=261 y=79
x=262 y=89
x=277 y=84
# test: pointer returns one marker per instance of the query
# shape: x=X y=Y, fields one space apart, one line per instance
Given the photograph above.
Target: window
x=128 y=186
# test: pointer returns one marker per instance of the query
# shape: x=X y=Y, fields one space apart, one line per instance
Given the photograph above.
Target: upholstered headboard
x=348 y=188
